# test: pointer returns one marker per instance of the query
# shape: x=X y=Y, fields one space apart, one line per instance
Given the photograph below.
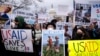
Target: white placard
x=95 y=11
x=17 y=40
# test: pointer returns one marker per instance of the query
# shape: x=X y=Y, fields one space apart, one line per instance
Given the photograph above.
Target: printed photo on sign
x=17 y=40
x=52 y=43
x=84 y=47
x=82 y=13
x=5 y=15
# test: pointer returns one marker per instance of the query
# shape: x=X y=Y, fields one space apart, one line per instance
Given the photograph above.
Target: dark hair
x=51 y=24
x=9 y=8
x=81 y=8
x=16 y=20
x=54 y=21
x=86 y=35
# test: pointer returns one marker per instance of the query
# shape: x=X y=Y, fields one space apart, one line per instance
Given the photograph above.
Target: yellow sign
x=84 y=47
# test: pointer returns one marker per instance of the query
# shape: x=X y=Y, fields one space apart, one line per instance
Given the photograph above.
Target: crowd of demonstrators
x=78 y=33
x=82 y=33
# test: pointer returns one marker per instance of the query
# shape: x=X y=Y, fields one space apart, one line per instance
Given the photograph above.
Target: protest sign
x=42 y=18
x=84 y=47
x=53 y=41
x=5 y=15
x=82 y=23
x=27 y=14
x=60 y=25
x=95 y=11
x=82 y=12
x=17 y=40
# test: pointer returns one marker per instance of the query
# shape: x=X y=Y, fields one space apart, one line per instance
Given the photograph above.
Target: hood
x=20 y=20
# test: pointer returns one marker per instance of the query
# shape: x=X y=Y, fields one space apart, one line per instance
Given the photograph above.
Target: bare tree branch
x=24 y=3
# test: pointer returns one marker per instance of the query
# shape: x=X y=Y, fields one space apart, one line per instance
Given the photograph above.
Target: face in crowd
x=51 y=26
x=37 y=26
x=7 y=10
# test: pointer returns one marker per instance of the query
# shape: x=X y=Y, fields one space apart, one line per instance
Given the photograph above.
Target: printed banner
x=53 y=43
x=84 y=47
x=17 y=40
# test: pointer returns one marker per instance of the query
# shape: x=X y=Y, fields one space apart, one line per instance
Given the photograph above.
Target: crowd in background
x=79 y=32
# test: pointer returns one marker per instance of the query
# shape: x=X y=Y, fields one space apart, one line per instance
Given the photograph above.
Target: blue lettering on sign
x=14 y=35
x=19 y=35
x=23 y=38
x=96 y=6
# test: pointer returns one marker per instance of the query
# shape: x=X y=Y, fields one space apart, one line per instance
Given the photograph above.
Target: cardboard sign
x=84 y=47
x=17 y=40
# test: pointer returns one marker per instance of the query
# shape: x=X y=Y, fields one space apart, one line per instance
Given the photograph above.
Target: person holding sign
x=37 y=32
x=50 y=26
x=20 y=24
